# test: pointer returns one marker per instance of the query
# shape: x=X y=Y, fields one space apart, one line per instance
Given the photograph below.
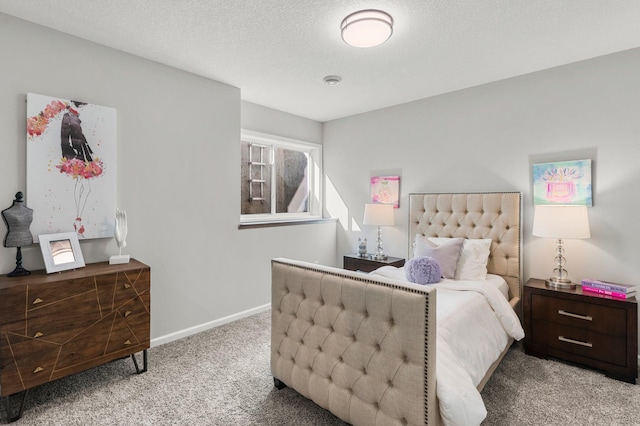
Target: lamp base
x=561 y=283
x=19 y=271
x=379 y=257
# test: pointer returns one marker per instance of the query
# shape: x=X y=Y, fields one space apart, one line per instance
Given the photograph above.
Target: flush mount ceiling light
x=367 y=28
x=332 y=80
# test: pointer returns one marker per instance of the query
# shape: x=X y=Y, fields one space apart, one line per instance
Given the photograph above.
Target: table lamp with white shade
x=561 y=222
x=379 y=215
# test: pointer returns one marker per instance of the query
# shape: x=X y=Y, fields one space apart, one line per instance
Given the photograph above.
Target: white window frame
x=314 y=151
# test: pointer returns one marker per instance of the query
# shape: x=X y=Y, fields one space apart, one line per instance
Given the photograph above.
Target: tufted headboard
x=495 y=215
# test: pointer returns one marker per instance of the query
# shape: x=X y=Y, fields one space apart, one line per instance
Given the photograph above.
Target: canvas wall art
x=563 y=182
x=385 y=190
x=71 y=167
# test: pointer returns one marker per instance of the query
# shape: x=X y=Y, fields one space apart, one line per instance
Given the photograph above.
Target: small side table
x=353 y=262
x=589 y=329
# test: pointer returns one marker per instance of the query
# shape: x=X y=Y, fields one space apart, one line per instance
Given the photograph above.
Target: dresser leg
x=22 y=405
x=144 y=362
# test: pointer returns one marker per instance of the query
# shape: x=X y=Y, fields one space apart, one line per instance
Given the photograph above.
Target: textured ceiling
x=278 y=51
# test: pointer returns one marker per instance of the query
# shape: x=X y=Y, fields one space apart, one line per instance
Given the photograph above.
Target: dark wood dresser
x=54 y=325
x=597 y=331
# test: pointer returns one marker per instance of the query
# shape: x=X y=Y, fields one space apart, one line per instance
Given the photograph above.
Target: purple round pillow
x=423 y=270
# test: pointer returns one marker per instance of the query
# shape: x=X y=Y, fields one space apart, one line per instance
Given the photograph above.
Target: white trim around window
x=314 y=176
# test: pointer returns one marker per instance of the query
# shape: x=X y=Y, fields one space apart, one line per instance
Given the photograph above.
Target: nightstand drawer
x=580 y=341
x=367 y=264
x=597 y=318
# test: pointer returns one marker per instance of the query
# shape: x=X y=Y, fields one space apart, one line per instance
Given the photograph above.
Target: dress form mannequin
x=18 y=218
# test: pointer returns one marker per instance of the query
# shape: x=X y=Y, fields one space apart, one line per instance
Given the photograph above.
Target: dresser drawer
x=597 y=318
x=581 y=341
x=13 y=308
x=31 y=363
x=58 y=322
x=137 y=317
x=43 y=294
x=88 y=345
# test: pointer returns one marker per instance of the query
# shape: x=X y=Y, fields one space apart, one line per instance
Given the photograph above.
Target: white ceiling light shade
x=367 y=28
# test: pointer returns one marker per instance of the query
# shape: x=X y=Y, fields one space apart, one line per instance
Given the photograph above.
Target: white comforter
x=475 y=322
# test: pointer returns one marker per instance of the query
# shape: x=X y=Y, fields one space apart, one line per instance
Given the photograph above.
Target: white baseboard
x=207 y=326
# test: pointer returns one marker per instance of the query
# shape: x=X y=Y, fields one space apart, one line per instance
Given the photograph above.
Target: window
x=280 y=178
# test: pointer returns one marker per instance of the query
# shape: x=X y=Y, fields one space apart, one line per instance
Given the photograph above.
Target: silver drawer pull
x=575 y=342
x=569 y=314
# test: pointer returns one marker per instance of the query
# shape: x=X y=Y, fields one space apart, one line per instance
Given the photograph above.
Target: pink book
x=606 y=292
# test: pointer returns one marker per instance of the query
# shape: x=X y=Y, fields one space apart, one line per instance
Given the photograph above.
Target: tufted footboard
x=358 y=346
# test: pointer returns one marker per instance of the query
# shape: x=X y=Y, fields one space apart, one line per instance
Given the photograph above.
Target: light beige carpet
x=221 y=377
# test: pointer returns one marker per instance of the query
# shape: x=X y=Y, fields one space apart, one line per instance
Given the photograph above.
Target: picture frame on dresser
x=61 y=252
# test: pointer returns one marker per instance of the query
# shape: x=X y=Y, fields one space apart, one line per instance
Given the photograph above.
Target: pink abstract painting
x=71 y=167
x=385 y=190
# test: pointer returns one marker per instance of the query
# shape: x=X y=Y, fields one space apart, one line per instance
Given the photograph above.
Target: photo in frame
x=385 y=190
x=71 y=166
x=562 y=182
x=61 y=251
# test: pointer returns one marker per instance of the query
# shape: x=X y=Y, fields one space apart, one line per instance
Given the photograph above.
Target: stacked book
x=616 y=290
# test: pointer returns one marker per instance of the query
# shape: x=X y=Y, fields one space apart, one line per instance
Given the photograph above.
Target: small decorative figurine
x=362 y=247
x=120 y=233
x=18 y=219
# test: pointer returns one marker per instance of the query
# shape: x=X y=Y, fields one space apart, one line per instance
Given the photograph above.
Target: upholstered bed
x=363 y=346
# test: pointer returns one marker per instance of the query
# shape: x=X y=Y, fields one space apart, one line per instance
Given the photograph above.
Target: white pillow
x=472 y=264
x=446 y=253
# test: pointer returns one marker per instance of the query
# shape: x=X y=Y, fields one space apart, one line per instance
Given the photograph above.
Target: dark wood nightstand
x=353 y=262
x=597 y=331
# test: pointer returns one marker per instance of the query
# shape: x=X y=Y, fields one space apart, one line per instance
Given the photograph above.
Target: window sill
x=272 y=223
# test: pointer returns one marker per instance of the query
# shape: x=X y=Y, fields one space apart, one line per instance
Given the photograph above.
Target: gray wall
x=270 y=121
x=486 y=138
x=178 y=174
x=178 y=157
